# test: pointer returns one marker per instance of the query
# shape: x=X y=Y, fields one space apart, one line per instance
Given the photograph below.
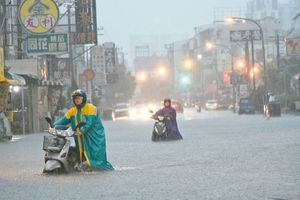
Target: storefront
x=10 y=83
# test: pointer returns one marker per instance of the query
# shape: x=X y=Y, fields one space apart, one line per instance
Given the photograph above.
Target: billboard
x=245 y=35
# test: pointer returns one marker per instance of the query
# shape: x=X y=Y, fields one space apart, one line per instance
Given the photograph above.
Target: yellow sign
x=38 y=16
x=2 y=78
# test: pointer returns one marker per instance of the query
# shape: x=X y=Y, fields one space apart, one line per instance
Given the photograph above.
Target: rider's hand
x=79 y=133
x=51 y=130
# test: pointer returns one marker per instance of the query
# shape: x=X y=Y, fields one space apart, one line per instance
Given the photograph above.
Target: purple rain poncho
x=172 y=128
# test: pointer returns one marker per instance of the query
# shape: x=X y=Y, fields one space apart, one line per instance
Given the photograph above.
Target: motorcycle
x=160 y=132
x=60 y=151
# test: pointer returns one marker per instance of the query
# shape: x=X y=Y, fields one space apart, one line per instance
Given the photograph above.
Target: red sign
x=293 y=47
x=89 y=74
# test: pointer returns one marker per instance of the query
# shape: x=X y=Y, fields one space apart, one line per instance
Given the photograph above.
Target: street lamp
x=185 y=80
x=162 y=71
x=188 y=64
x=209 y=46
x=199 y=56
x=141 y=77
x=241 y=64
x=231 y=19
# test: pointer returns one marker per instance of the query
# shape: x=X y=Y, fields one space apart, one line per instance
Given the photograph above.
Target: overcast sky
x=122 y=19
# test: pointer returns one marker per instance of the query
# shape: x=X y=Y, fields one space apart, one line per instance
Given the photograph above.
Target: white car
x=121 y=110
x=211 y=105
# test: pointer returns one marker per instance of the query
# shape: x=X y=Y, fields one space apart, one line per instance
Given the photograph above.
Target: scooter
x=60 y=152
x=159 y=132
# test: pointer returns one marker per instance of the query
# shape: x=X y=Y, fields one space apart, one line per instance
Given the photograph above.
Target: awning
x=39 y=82
x=13 y=79
x=50 y=83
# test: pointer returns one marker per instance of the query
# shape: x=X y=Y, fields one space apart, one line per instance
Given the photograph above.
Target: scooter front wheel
x=154 y=137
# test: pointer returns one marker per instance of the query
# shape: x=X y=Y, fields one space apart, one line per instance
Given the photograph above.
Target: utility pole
x=277 y=51
x=73 y=75
x=253 y=62
x=247 y=61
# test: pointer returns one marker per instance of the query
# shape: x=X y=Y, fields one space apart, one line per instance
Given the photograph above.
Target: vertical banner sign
x=61 y=71
x=110 y=57
x=2 y=78
x=86 y=23
x=2 y=14
x=38 y=16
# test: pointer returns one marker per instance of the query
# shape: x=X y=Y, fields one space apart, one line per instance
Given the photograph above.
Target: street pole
x=23 y=112
x=263 y=46
x=247 y=62
x=253 y=62
x=73 y=77
x=263 y=51
x=233 y=83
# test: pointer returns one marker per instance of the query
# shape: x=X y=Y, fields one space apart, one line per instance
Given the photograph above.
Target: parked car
x=245 y=106
x=121 y=110
x=211 y=105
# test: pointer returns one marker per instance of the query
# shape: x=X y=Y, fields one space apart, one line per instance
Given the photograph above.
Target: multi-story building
x=259 y=9
x=282 y=12
x=104 y=63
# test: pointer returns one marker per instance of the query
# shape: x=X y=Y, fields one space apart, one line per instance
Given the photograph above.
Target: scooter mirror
x=49 y=122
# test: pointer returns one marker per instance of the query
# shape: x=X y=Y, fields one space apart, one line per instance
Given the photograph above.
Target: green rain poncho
x=91 y=145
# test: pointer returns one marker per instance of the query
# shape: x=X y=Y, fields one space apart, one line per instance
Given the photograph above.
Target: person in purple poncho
x=169 y=112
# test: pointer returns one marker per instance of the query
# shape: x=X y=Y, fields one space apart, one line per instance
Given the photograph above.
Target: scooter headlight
x=160 y=118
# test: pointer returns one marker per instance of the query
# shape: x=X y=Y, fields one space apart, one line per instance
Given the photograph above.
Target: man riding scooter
x=90 y=140
x=170 y=113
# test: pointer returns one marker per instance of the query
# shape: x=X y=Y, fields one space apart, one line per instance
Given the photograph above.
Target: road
x=222 y=156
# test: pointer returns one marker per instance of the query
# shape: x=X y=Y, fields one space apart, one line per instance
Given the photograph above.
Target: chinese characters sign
x=86 y=25
x=83 y=38
x=293 y=47
x=38 y=16
x=47 y=44
x=245 y=35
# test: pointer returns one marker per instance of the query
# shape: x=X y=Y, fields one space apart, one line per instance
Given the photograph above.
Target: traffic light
x=185 y=80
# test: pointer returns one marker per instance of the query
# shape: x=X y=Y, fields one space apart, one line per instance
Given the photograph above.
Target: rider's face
x=167 y=104
x=78 y=101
